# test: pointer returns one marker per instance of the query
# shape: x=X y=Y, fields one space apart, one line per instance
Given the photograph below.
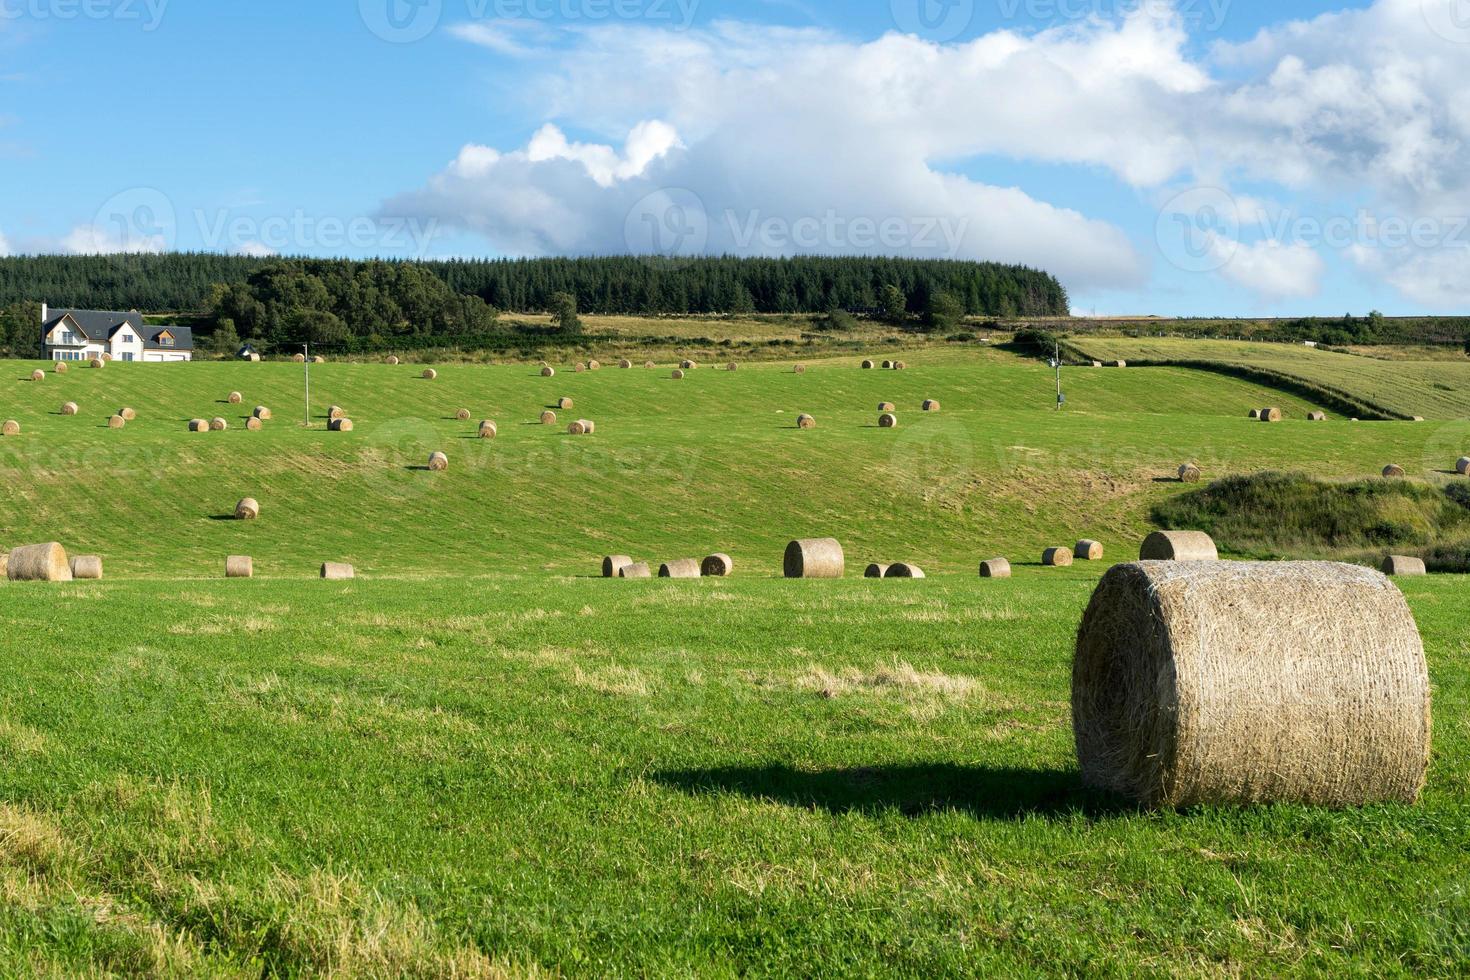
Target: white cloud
x=1270 y=269
x=93 y=240
x=256 y=250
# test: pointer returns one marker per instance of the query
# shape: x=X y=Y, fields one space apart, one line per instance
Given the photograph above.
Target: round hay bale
x=1097 y=364
x=239 y=566
x=887 y=407
x=10 y=428
x=254 y=424
x=1255 y=415
x=60 y=367
x=815 y=558
x=1271 y=415
x=106 y=357
x=1120 y=364
x=38 y=563
x=1189 y=473
x=589 y=427
x=804 y=421
x=1057 y=557
x=1402 y=565
x=488 y=429
x=1462 y=466
x=649 y=365
x=1088 y=551
x=340 y=425
x=613 y=565
x=116 y=422
x=1316 y=416
x=262 y=413
x=579 y=368
x=565 y=404
x=678 y=374
x=392 y=361
x=682 y=568
x=1178 y=546
x=548 y=418
x=1393 y=471
x=335 y=571
x=298 y=358
x=70 y=408
x=548 y=372
x=248 y=509
x=995 y=568
x=128 y=414
x=87 y=567
x=876 y=570
x=732 y=366
x=904 y=570
x=1249 y=683
x=218 y=424
x=235 y=398
x=688 y=365
x=198 y=425
x=717 y=566
x=38 y=375
x=930 y=405
x=98 y=363
x=638 y=569
x=318 y=360
x=888 y=421
x=799 y=369
x=625 y=364
x=430 y=374
x=594 y=365
x=462 y=415
x=438 y=462
x=338 y=412
x=887 y=365
x=867 y=365
x=900 y=366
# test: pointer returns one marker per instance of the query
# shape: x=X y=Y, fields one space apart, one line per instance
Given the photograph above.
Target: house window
x=128 y=356
x=129 y=339
x=164 y=340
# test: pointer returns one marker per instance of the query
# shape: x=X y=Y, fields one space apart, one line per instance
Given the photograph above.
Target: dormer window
x=129 y=339
x=165 y=339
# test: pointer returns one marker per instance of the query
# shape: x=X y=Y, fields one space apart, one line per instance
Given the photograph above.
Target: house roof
x=100 y=325
x=183 y=338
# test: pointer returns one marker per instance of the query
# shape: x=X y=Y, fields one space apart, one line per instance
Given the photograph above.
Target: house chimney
x=44 y=311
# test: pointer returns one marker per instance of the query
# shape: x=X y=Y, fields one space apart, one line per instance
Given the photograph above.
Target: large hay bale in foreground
x=70 y=408
x=38 y=375
x=340 y=425
x=995 y=568
x=10 y=428
x=38 y=563
x=1401 y=565
x=548 y=418
x=239 y=566
x=488 y=429
x=904 y=570
x=639 y=569
x=681 y=568
x=1271 y=415
x=612 y=565
x=888 y=421
x=262 y=413
x=1393 y=471
x=1249 y=683
x=1462 y=466
x=1088 y=550
x=1189 y=473
x=116 y=422
x=128 y=414
x=1057 y=557
x=1179 y=546
x=438 y=462
x=565 y=404
x=805 y=421
x=876 y=570
x=198 y=425
x=86 y=567
x=335 y=571
x=718 y=565
x=815 y=558
x=430 y=374
x=60 y=367
x=248 y=509
x=336 y=412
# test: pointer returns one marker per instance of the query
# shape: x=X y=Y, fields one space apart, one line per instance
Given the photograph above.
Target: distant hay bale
x=565 y=404
x=116 y=422
x=649 y=365
x=638 y=569
x=579 y=368
x=1178 y=546
x=887 y=407
x=86 y=567
x=1417 y=418
x=392 y=361
x=60 y=367
x=70 y=408
x=678 y=374
x=1251 y=683
x=888 y=421
x=239 y=566
x=1097 y=364
x=930 y=405
x=128 y=414
x=10 y=428
x=594 y=365
x=4 y=564
x=1316 y=416
x=900 y=366
x=1404 y=565
x=334 y=571
x=625 y=364
x=1088 y=551
x=248 y=509
x=253 y=424
x=98 y=363
x=430 y=374
x=732 y=366
x=867 y=365
x=340 y=425
x=548 y=372
x=688 y=365
x=805 y=421
x=1271 y=415
x=904 y=570
x=198 y=425
x=235 y=398
x=1190 y=473
x=681 y=568
x=1462 y=466
x=488 y=429
x=462 y=415
x=875 y=570
x=815 y=558
x=38 y=563
x=799 y=369
x=1057 y=557
x=337 y=412
x=582 y=427
x=717 y=566
x=218 y=424
x=613 y=565
x=298 y=358
x=887 y=365
x=995 y=568
x=548 y=418
x=1393 y=472
x=262 y=413
x=318 y=360
x=1255 y=415
x=438 y=462
x=106 y=357
x=38 y=375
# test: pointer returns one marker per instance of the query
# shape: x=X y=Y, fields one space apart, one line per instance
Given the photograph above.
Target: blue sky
x=1201 y=157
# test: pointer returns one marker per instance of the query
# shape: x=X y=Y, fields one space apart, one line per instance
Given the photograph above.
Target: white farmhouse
x=80 y=335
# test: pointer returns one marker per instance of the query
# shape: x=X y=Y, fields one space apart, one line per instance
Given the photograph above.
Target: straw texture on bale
x=1462 y=465
x=1404 y=565
x=235 y=398
x=548 y=418
x=253 y=424
x=60 y=367
x=98 y=363
x=649 y=365
x=86 y=567
x=1251 y=683
x=334 y=571
x=904 y=570
x=1271 y=415
x=128 y=414
x=430 y=374
x=876 y=570
x=198 y=425
x=579 y=368
x=299 y=358
x=248 y=509
x=4 y=564
x=639 y=569
x=239 y=566
x=438 y=462
x=340 y=425
x=38 y=375
x=1057 y=557
x=613 y=565
x=1088 y=551
x=594 y=365
x=218 y=424
x=888 y=421
x=462 y=414
x=682 y=568
x=995 y=568
x=900 y=366
x=799 y=369
x=1393 y=471
x=262 y=413
x=38 y=563
x=1316 y=416
x=625 y=364
x=867 y=365
x=488 y=429
x=70 y=408
x=930 y=405
x=565 y=404
x=1179 y=546
x=717 y=566
x=583 y=427
x=116 y=422
x=678 y=374
x=732 y=366
x=548 y=372
x=336 y=412
x=815 y=558
x=805 y=421
x=688 y=365
x=1255 y=415
x=1189 y=473
x=10 y=428
x=886 y=406
x=318 y=360
x=392 y=361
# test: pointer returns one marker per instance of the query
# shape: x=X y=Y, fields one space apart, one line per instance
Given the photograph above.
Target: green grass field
x=479 y=760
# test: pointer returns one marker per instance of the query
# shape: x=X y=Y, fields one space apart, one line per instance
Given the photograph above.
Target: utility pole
x=1057 y=363
x=306 y=353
